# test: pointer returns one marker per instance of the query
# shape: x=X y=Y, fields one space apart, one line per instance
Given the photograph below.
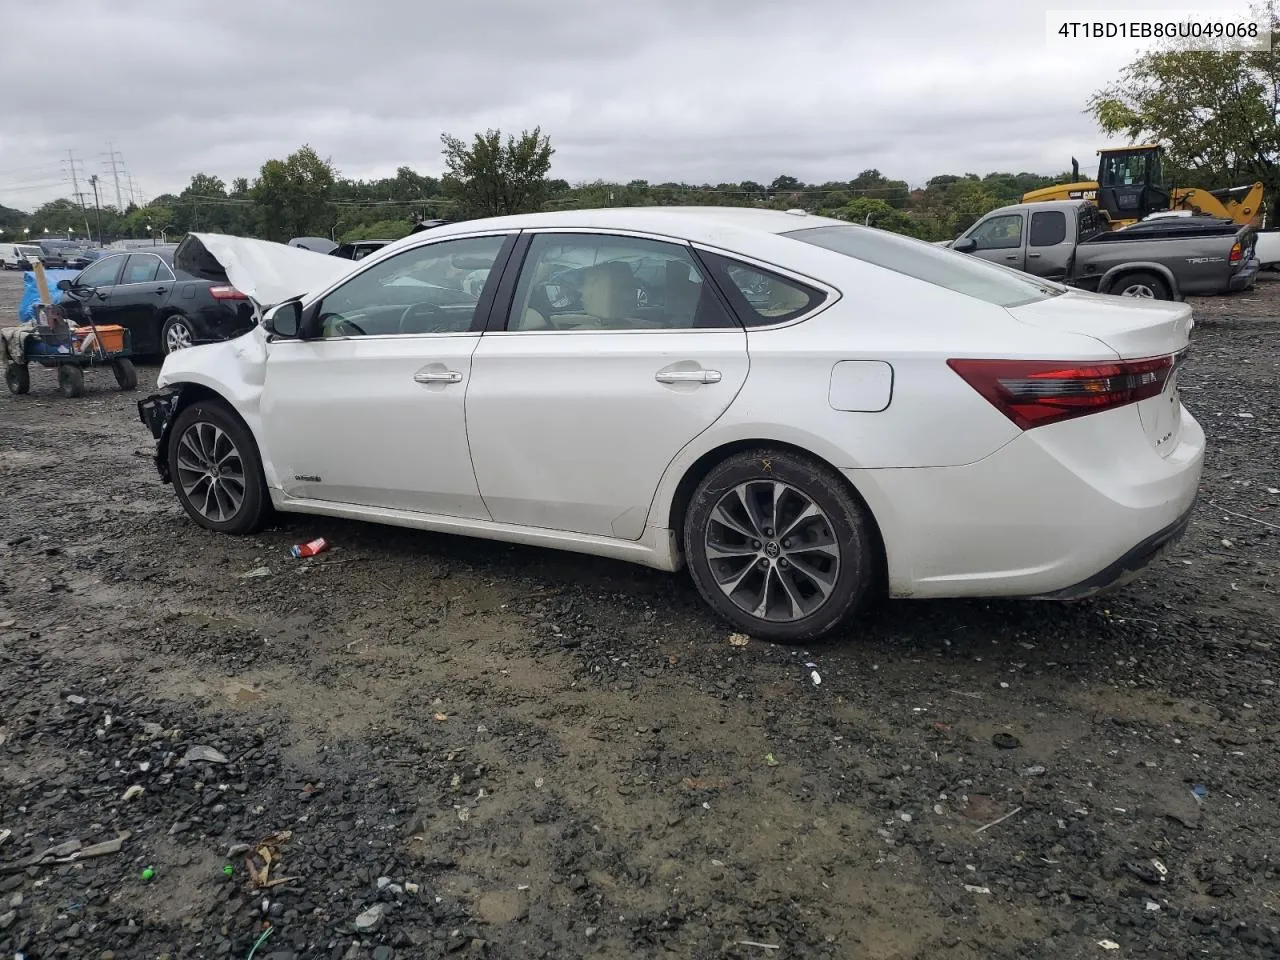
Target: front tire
x=216 y=471
x=17 y=378
x=126 y=373
x=70 y=381
x=779 y=546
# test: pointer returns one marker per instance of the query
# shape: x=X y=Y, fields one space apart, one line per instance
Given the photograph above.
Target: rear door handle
x=1012 y=256
x=160 y=290
x=437 y=376
x=687 y=376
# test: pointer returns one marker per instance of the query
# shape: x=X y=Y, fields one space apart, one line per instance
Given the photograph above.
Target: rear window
x=1048 y=229
x=939 y=266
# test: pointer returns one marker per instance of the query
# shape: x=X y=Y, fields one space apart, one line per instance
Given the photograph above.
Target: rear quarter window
x=940 y=266
x=761 y=297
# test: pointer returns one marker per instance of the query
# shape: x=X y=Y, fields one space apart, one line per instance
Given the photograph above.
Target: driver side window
x=101 y=274
x=999 y=233
x=429 y=289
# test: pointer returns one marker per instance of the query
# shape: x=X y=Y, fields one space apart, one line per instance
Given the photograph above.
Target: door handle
x=160 y=290
x=1032 y=255
x=1012 y=256
x=440 y=376
x=687 y=376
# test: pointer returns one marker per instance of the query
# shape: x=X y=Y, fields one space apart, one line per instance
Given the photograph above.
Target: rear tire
x=779 y=546
x=216 y=471
x=1143 y=286
x=176 y=334
x=70 y=381
x=126 y=373
x=17 y=378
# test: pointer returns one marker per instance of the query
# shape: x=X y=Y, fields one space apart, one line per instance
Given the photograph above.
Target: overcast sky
x=693 y=90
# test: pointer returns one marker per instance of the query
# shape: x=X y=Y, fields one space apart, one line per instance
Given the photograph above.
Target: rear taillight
x=1033 y=393
x=226 y=292
x=1237 y=252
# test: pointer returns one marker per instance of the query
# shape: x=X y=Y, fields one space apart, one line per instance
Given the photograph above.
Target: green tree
x=292 y=196
x=1216 y=113
x=492 y=179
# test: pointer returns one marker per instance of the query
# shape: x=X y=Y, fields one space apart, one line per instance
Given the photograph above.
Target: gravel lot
x=451 y=747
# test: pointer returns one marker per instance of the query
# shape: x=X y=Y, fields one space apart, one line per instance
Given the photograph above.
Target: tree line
x=1216 y=113
x=304 y=194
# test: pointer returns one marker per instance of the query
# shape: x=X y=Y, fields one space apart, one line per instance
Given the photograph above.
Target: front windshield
x=939 y=266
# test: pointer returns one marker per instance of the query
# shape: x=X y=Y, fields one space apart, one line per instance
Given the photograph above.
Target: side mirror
x=64 y=284
x=284 y=319
x=965 y=245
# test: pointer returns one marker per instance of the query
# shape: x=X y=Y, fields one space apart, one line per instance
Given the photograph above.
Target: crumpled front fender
x=233 y=371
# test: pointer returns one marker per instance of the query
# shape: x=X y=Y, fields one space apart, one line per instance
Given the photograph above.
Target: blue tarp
x=31 y=293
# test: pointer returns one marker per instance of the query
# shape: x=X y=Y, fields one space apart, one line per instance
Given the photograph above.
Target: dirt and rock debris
x=416 y=746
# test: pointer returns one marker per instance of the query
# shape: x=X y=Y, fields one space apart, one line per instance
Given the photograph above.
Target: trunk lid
x=1134 y=329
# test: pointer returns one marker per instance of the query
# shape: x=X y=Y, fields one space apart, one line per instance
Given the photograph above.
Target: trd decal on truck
x=306 y=478
x=1206 y=259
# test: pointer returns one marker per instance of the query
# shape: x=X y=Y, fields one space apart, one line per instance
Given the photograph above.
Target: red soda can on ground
x=310 y=549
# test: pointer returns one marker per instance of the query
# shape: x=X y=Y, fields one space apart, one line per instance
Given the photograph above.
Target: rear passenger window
x=141 y=269
x=1048 y=228
x=760 y=296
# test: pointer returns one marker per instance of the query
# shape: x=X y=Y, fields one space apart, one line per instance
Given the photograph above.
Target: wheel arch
x=682 y=497
x=189 y=393
x=1113 y=277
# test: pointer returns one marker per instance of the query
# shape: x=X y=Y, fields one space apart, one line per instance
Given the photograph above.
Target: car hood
x=265 y=271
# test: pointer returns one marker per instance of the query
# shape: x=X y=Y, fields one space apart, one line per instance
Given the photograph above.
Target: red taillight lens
x=1237 y=253
x=1033 y=393
x=226 y=292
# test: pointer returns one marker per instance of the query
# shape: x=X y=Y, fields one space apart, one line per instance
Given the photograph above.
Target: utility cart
x=54 y=341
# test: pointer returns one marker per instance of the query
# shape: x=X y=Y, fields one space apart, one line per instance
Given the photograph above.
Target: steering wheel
x=341 y=325
x=431 y=319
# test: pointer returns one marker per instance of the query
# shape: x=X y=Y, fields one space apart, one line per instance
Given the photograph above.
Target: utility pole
x=115 y=172
x=93 y=180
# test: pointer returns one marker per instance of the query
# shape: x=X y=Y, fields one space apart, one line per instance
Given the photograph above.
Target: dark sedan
x=164 y=308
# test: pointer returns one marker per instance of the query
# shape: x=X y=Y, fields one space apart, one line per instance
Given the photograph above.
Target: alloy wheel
x=772 y=551
x=1140 y=290
x=211 y=471
x=177 y=336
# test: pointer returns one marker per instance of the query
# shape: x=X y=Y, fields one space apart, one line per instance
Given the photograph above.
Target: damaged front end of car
x=157 y=413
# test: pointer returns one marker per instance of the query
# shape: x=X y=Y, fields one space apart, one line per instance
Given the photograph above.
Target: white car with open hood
x=800 y=410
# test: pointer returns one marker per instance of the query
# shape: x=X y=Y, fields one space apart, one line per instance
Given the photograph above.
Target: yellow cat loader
x=1130 y=186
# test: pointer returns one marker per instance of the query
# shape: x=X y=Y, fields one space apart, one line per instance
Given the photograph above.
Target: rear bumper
x=1055 y=512
x=1128 y=566
x=1245 y=278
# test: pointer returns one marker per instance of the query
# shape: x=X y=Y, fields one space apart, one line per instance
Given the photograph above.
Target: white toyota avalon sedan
x=800 y=410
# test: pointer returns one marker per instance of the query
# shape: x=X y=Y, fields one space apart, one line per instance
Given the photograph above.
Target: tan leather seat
x=783 y=299
x=609 y=292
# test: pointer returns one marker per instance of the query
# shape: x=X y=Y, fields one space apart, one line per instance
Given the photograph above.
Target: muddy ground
x=478 y=749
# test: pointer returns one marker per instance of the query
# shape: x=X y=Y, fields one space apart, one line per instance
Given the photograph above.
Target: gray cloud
x=695 y=90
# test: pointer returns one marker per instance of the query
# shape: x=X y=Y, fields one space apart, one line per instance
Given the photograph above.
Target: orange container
x=111 y=338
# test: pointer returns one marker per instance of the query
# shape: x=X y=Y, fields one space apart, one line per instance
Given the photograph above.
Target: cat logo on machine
x=1083 y=194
